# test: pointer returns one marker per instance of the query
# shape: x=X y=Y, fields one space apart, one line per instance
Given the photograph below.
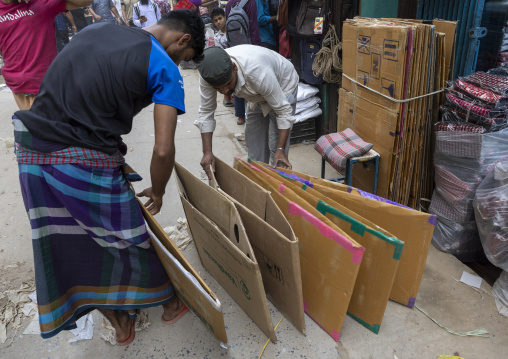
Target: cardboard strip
x=328 y=269
x=277 y=254
x=223 y=246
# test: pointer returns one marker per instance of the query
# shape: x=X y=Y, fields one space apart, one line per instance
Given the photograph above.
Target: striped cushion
x=336 y=148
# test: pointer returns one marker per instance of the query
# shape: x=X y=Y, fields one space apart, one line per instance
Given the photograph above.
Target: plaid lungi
x=91 y=247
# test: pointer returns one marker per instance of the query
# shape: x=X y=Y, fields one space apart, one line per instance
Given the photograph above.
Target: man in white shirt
x=145 y=13
x=267 y=81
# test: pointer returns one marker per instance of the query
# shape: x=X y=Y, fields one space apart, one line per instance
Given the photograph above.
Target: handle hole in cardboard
x=237 y=234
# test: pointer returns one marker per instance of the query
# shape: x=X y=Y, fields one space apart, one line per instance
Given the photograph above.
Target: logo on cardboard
x=375 y=67
x=362 y=77
x=273 y=269
x=388 y=87
x=390 y=50
x=363 y=44
x=245 y=289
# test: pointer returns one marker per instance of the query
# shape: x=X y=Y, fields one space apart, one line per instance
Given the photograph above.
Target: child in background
x=219 y=20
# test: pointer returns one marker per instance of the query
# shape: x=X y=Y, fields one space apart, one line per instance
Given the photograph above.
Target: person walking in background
x=220 y=39
x=163 y=6
x=78 y=17
x=265 y=21
x=27 y=43
x=128 y=11
x=120 y=8
x=62 y=31
x=251 y=11
x=105 y=11
x=145 y=13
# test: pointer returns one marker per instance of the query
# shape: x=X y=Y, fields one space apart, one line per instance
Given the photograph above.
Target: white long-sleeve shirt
x=150 y=11
x=265 y=78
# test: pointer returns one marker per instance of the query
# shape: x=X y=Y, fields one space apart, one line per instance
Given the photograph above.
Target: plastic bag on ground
x=491 y=213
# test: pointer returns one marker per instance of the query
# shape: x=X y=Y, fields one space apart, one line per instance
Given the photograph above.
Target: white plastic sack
x=308 y=114
x=491 y=213
x=307 y=104
x=305 y=91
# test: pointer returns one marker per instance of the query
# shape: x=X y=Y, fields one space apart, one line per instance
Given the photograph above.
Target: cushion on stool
x=336 y=148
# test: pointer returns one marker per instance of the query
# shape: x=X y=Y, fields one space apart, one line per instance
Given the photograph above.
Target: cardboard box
x=277 y=253
x=413 y=227
x=330 y=260
x=223 y=246
x=380 y=260
x=188 y=285
x=374 y=124
x=374 y=54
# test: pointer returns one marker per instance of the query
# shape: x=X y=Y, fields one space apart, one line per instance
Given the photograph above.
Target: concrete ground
x=405 y=333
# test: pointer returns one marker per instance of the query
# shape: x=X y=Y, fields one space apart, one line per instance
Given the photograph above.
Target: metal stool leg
x=322 y=168
x=349 y=172
x=376 y=175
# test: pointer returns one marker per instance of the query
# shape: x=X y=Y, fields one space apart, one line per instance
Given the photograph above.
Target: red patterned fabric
x=461 y=212
x=336 y=148
x=75 y=155
x=468 y=105
x=477 y=92
x=459 y=140
x=184 y=4
x=495 y=83
x=451 y=188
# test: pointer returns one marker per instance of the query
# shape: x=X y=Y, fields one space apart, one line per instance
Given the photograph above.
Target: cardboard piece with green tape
x=380 y=260
x=413 y=227
x=329 y=259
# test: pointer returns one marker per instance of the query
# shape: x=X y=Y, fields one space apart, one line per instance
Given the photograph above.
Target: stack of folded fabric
x=307 y=103
x=471 y=137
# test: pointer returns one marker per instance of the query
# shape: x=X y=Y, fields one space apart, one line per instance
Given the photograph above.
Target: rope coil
x=328 y=60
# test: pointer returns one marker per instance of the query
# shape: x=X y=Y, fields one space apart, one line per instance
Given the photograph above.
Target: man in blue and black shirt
x=89 y=235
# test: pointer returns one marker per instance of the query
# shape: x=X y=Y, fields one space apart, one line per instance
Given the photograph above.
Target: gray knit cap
x=216 y=67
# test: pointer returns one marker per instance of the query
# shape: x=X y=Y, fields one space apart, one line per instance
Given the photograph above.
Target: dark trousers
x=62 y=39
x=239 y=107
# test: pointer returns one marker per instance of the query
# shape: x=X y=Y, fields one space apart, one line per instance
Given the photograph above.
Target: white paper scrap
x=471 y=279
x=84 y=328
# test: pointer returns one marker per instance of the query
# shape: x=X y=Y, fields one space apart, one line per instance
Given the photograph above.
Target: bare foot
x=120 y=321
x=172 y=309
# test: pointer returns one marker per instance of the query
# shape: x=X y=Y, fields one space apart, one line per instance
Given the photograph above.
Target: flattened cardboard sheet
x=330 y=260
x=223 y=246
x=189 y=286
x=278 y=255
x=412 y=227
x=380 y=260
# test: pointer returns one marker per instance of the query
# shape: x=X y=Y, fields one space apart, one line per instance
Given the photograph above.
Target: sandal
x=240 y=121
x=228 y=103
x=130 y=338
x=183 y=311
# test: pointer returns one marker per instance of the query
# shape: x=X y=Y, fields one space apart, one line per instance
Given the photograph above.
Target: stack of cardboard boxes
x=389 y=68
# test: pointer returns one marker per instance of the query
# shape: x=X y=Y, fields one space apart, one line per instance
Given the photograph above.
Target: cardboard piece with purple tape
x=412 y=227
x=329 y=259
x=380 y=260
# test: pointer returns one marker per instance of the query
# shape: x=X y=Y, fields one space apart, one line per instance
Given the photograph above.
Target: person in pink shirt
x=26 y=30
